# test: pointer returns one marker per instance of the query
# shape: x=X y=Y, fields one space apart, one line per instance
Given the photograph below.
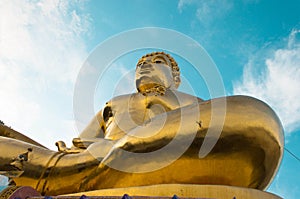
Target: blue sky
x=255 y=45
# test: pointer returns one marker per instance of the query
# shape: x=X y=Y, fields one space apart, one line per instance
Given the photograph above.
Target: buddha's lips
x=145 y=72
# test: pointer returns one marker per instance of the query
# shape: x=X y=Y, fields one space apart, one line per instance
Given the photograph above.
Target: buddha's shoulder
x=120 y=99
x=187 y=98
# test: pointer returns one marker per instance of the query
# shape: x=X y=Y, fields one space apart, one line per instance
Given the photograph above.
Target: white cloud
x=183 y=3
x=207 y=11
x=278 y=83
x=41 y=51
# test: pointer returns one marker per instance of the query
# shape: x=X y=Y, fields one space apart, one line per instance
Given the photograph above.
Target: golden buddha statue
x=153 y=137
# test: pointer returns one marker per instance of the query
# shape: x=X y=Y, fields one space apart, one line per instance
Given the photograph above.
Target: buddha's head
x=156 y=70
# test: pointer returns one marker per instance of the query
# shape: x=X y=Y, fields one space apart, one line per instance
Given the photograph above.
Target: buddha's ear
x=177 y=81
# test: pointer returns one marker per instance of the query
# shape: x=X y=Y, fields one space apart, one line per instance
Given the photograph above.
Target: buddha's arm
x=44 y=169
x=94 y=132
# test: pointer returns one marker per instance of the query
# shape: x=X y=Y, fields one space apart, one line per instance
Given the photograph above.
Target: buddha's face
x=153 y=71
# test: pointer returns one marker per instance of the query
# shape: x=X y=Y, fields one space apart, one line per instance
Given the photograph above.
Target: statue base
x=167 y=191
x=183 y=191
x=16 y=192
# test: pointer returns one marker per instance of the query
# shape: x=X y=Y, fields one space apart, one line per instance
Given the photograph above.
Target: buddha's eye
x=139 y=64
x=159 y=61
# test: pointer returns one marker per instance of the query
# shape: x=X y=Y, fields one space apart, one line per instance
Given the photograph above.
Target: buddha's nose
x=145 y=65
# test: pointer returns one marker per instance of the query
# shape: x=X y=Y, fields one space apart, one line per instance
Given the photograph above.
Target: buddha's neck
x=152 y=90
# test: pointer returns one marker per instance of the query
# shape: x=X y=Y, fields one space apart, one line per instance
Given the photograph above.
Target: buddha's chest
x=143 y=108
x=138 y=109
